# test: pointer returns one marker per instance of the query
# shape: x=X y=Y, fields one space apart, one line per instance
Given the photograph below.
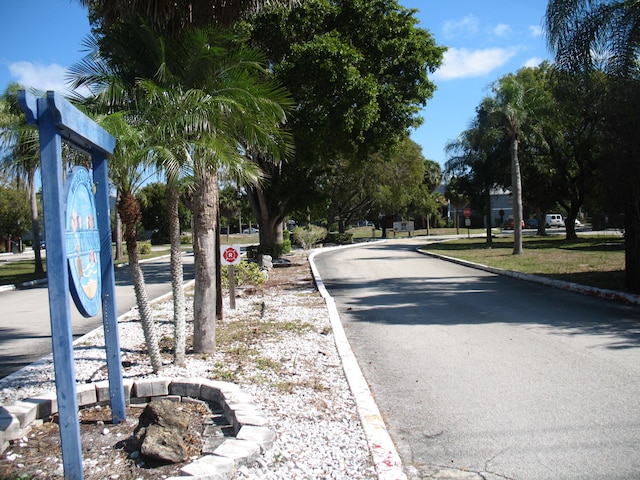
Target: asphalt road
x=483 y=376
x=25 y=329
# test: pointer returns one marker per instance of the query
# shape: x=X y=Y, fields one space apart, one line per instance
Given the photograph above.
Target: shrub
x=307 y=237
x=245 y=273
x=159 y=238
x=275 y=251
x=144 y=248
x=339 y=238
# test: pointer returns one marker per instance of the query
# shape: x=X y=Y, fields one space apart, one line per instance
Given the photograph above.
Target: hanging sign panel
x=83 y=243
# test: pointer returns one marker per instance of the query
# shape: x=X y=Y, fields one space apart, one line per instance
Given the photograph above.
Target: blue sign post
x=78 y=238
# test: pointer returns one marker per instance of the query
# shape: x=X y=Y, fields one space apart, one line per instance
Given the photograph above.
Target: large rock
x=161 y=432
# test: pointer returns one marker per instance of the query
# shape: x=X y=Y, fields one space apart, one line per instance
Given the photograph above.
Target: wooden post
x=109 y=310
x=232 y=287
x=55 y=117
x=58 y=280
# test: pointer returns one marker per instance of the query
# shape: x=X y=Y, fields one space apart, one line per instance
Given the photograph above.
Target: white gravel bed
x=294 y=375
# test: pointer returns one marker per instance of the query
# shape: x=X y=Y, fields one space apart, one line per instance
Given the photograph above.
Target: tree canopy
x=358 y=74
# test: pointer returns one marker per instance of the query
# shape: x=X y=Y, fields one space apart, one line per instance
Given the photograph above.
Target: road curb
x=385 y=456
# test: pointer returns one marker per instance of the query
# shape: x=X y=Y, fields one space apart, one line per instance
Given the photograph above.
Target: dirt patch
x=104 y=447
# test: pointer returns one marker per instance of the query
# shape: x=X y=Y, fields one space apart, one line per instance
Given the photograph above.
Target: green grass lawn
x=594 y=259
x=22 y=271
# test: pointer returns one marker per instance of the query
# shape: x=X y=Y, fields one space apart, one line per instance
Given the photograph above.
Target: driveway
x=25 y=328
x=483 y=376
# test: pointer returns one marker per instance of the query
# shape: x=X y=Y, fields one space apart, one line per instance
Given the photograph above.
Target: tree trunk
x=177 y=276
x=119 y=252
x=205 y=215
x=488 y=217
x=632 y=246
x=516 y=191
x=35 y=226
x=130 y=213
x=269 y=221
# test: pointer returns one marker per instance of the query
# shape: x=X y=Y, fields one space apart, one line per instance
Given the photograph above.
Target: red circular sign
x=467 y=212
x=230 y=255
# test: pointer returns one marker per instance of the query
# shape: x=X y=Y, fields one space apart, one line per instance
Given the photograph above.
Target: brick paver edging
x=249 y=423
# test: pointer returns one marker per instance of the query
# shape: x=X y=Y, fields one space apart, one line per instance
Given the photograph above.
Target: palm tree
x=23 y=158
x=237 y=106
x=588 y=34
x=126 y=171
x=510 y=108
x=475 y=163
x=605 y=34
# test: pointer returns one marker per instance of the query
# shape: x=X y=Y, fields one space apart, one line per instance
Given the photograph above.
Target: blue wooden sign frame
x=58 y=120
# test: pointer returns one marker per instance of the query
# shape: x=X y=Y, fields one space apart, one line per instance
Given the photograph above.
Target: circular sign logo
x=230 y=255
x=82 y=241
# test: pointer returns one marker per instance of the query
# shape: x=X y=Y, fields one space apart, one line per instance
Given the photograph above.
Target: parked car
x=531 y=223
x=250 y=230
x=508 y=224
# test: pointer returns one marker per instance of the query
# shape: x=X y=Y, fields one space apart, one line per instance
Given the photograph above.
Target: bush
x=307 y=237
x=186 y=239
x=144 y=248
x=246 y=273
x=159 y=238
x=275 y=251
x=339 y=238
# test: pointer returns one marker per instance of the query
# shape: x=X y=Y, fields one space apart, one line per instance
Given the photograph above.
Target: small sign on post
x=467 y=220
x=230 y=256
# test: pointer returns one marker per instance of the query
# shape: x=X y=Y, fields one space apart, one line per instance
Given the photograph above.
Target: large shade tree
x=605 y=34
x=358 y=72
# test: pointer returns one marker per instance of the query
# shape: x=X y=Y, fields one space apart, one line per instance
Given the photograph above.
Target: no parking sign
x=230 y=254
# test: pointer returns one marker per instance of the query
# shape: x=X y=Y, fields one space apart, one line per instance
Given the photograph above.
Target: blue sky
x=39 y=39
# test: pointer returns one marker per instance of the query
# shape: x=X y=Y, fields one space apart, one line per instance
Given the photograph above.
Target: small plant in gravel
x=245 y=273
x=268 y=364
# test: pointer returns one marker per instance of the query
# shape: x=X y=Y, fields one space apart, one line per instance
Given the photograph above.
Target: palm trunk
x=205 y=215
x=177 y=275
x=516 y=191
x=35 y=226
x=130 y=211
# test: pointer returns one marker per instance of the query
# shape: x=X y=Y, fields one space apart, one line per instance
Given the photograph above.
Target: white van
x=553 y=220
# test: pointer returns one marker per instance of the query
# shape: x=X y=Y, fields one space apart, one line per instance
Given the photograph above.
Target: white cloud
x=466 y=25
x=535 y=30
x=41 y=77
x=533 y=62
x=464 y=63
x=502 y=30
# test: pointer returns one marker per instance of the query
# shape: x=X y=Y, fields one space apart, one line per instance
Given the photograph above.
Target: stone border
x=249 y=423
